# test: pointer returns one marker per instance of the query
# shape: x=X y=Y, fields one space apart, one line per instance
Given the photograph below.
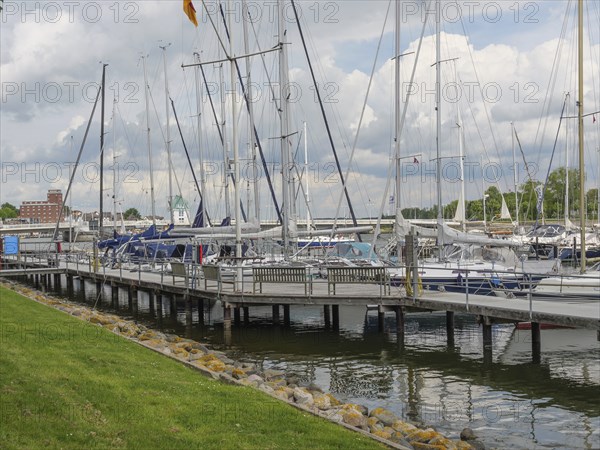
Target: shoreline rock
x=378 y=423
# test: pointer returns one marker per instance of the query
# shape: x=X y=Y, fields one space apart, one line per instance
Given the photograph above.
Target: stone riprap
x=379 y=423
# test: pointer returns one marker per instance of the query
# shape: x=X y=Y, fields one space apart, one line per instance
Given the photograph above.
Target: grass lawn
x=65 y=383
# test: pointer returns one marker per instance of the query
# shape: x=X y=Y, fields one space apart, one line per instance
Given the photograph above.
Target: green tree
x=592 y=203
x=8 y=211
x=132 y=214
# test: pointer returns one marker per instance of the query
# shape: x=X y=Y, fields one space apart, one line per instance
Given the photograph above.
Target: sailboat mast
x=438 y=109
x=200 y=146
x=146 y=89
x=397 y=118
x=250 y=107
x=307 y=178
x=101 y=218
x=224 y=143
x=580 y=129
x=170 y=161
x=234 y=143
x=114 y=158
x=567 y=221
x=286 y=171
x=515 y=174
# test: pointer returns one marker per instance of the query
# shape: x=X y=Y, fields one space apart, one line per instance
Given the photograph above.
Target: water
x=508 y=401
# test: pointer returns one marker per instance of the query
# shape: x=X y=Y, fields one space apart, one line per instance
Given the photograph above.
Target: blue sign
x=11 y=245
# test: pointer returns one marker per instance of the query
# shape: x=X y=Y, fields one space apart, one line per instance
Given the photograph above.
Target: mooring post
x=188 y=315
x=286 y=315
x=450 y=328
x=227 y=323
x=200 y=311
x=399 y=310
x=486 y=324
x=246 y=315
x=82 y=285
x=536 y=343
x=129 y=298
x=57 y=282
x=276 y=314
x=36 y=281
x=327 y=316
x=335 y=309
x=237 y=315
x=151 y=307
x=159 y=306
x=114 y=295
x=99 y=289
x=173 y=305
x=380 y=319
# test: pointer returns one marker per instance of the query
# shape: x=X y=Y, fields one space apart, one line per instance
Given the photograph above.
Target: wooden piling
x=536 y=343
x=450 y=328
x=335 y=309
x=286 y=315
x=276 y=314
x=327 y=316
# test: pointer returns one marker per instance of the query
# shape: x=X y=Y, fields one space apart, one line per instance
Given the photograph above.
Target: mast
x=103 y=88
x=515 y=174
x=146 y=89
x=398 y=212
x=438 y=109
x=580 y=129
x=199 y=131
x=307 y=178
x=169 y=160
x=285 y=154
x=224 y=142
x=250 y=107
x=114 y=158
x=234 y=143
x=71 y=202
x=567 y=221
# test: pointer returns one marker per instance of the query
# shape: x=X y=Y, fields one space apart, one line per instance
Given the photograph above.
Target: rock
x=314 y=388
x=333 y=401
x=195 y=355
x=360 y=408
x=386 y=417
x=398 y=438
x=462 y=445
x=443 y=441
x=423 y=436
x=477 y=444
x=467 y=435
x=403 y=427
x=266 y=388
x=199 y=346
x=382 y=434
x=277 y=383
x=303 y=397
x=255 y=379
x=272 y=374
x=425 y=446
x=354 y=418
x=238 y=373
x=216 y=366
x=321 y=401
x=374 y=424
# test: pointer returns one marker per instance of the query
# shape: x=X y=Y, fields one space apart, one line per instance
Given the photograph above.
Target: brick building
x=43 y=211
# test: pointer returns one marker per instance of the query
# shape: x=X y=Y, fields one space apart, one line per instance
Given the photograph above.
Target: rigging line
x=356 y=136
x=318 y=92
x=400 y=129
x=87 y=129
x=551 y=158
x=188 y=157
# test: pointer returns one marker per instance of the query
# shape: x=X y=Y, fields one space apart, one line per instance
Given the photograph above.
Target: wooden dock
x=285 y=288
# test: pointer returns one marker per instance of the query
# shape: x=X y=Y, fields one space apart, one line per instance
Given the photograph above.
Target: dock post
x=173 y=305
x=450 y=328
x=536 y=343
x=399 y=324
x=129 y=298
x=486 y=324
x=237 y=315
x=246 y=315
x=335 y=309
x=275 y=314
x=227 y=323
x=159 y=306
x=286 y=315
x=380 y=319
x=151 y=306
x=36 y=281
x=188 y=315
x=327 y=316
x=57 y=282
x=82 y=285
x=114 y=295
x=70 y=284
x=200 y=311
x=99 y=289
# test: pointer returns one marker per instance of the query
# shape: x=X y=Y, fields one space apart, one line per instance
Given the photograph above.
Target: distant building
x=180 y=211
x=43 y=211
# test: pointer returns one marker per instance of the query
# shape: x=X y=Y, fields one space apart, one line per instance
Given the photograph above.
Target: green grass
x=65 y=383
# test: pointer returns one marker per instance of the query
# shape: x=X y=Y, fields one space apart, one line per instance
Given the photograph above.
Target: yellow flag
x=190 y=11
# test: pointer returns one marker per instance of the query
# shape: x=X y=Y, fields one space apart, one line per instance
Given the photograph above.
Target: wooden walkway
x=581 y=314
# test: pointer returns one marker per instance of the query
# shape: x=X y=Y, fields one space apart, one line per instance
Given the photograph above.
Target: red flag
x=415 y=160
x=190 y=11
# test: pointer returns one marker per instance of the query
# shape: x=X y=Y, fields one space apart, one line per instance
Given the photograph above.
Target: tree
x=592 y=203
x=132 y=214
x=8 y=211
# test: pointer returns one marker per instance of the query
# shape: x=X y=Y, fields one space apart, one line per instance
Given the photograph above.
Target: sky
x=505 y=62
